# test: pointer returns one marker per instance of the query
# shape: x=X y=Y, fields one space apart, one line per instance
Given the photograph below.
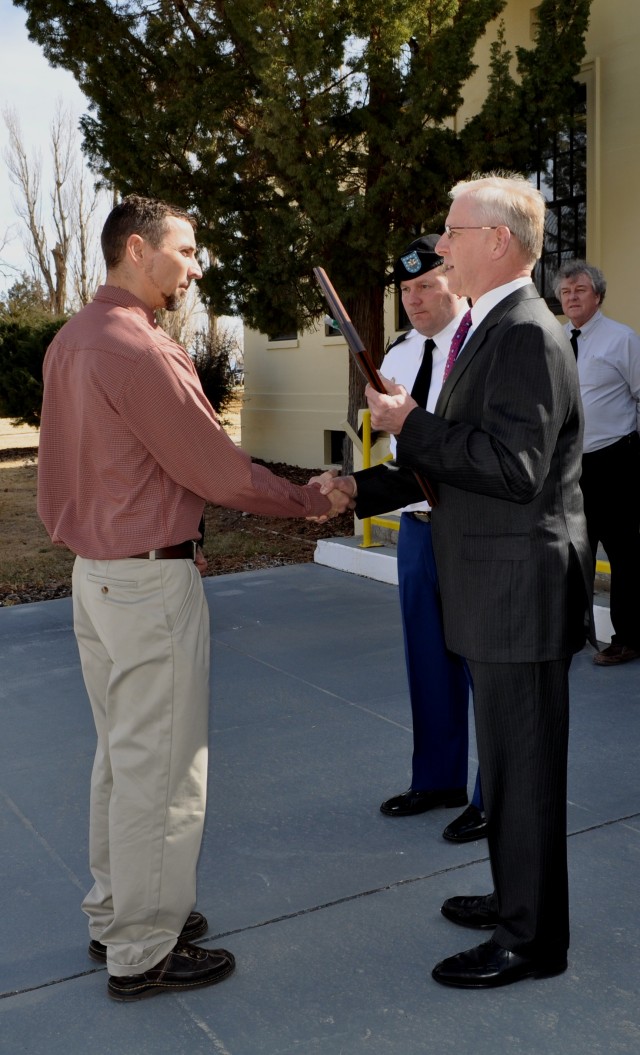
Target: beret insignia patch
x=411 y=262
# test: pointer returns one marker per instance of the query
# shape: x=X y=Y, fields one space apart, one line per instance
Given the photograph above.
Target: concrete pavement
x=331 y=909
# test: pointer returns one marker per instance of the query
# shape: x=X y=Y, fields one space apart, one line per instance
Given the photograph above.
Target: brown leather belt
x=182 y=551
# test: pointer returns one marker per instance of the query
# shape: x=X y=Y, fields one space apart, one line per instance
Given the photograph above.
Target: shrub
x=23 y=344
x=24 y=341
x=214 y=355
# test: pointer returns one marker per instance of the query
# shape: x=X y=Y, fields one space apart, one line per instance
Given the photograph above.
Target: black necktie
x=574 y=341
x=420 y=390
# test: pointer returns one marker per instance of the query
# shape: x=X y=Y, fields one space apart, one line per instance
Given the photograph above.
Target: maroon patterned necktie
x=457 y=342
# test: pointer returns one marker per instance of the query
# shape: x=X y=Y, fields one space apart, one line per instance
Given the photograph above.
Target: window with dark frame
x=285 y=335
x=334 y=446
x=562 y=179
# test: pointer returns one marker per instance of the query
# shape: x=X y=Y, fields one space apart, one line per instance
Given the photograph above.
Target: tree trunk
x=59 y=255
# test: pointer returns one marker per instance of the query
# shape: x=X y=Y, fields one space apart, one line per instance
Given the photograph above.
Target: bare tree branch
x=7 y=269
x=62 y=247
x=63 y=151
x=86 y=266
x=25 y=174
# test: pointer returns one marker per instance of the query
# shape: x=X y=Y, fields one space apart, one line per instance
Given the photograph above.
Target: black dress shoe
x=195 y=926
x=477 y=912
x=186 y=967
x=469 y=826
x=489 y=965
x=411 y=802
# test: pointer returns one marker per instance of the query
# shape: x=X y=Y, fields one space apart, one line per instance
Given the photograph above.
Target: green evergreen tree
x=308 y=132
x=25 y=299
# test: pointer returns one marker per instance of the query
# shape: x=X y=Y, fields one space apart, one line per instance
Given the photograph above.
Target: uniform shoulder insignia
x=398 y=340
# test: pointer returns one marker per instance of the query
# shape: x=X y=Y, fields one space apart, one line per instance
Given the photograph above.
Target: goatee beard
x=172 y=302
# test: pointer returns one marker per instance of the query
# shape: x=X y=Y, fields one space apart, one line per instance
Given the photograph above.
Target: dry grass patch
x=29 y=562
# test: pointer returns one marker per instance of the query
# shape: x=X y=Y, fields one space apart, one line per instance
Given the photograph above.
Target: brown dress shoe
x=186 y=967
x=614 y=654
x=195 y=927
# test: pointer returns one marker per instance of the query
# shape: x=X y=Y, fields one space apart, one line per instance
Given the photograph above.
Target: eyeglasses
x=449 y=231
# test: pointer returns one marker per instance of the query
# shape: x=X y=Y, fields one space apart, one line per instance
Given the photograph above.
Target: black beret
x=418 y=258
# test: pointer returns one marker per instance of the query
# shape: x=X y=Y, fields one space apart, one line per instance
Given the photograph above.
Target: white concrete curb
x=347 y=554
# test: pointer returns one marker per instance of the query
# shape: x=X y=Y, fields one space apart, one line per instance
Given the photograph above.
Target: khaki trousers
x=142 y=628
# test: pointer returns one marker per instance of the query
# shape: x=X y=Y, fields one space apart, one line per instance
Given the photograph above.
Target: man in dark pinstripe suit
x=504 y=449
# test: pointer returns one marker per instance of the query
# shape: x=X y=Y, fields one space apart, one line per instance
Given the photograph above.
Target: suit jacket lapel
x=477 y=339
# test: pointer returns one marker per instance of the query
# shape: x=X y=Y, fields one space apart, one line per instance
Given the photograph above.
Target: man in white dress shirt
x=608 y=358
x=438 y=680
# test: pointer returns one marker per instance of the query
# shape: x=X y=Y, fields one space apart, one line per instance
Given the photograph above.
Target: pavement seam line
x=55 y=857
x=318 y=688
x=317 y=908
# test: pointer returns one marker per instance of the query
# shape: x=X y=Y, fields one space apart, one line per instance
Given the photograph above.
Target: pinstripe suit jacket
x=504 y=447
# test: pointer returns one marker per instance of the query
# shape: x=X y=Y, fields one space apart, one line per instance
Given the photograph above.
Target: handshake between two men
x=389 y=411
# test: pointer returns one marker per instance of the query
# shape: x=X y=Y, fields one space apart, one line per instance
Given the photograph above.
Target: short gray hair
x=573 y=268
x=508 y=198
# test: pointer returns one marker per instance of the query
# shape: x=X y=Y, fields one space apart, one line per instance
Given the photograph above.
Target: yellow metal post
x=367 y=541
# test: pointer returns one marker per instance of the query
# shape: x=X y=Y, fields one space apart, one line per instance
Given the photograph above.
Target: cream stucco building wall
x=296 y=391
x=295 y=396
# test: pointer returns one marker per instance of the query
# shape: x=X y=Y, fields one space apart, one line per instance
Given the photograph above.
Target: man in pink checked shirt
x=130 y=451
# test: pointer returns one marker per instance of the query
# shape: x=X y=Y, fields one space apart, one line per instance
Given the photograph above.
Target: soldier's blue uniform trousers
x=438 y=680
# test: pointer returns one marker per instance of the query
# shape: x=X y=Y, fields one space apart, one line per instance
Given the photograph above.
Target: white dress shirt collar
x=586 y=328
x=444 y=338
x=487 y=301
